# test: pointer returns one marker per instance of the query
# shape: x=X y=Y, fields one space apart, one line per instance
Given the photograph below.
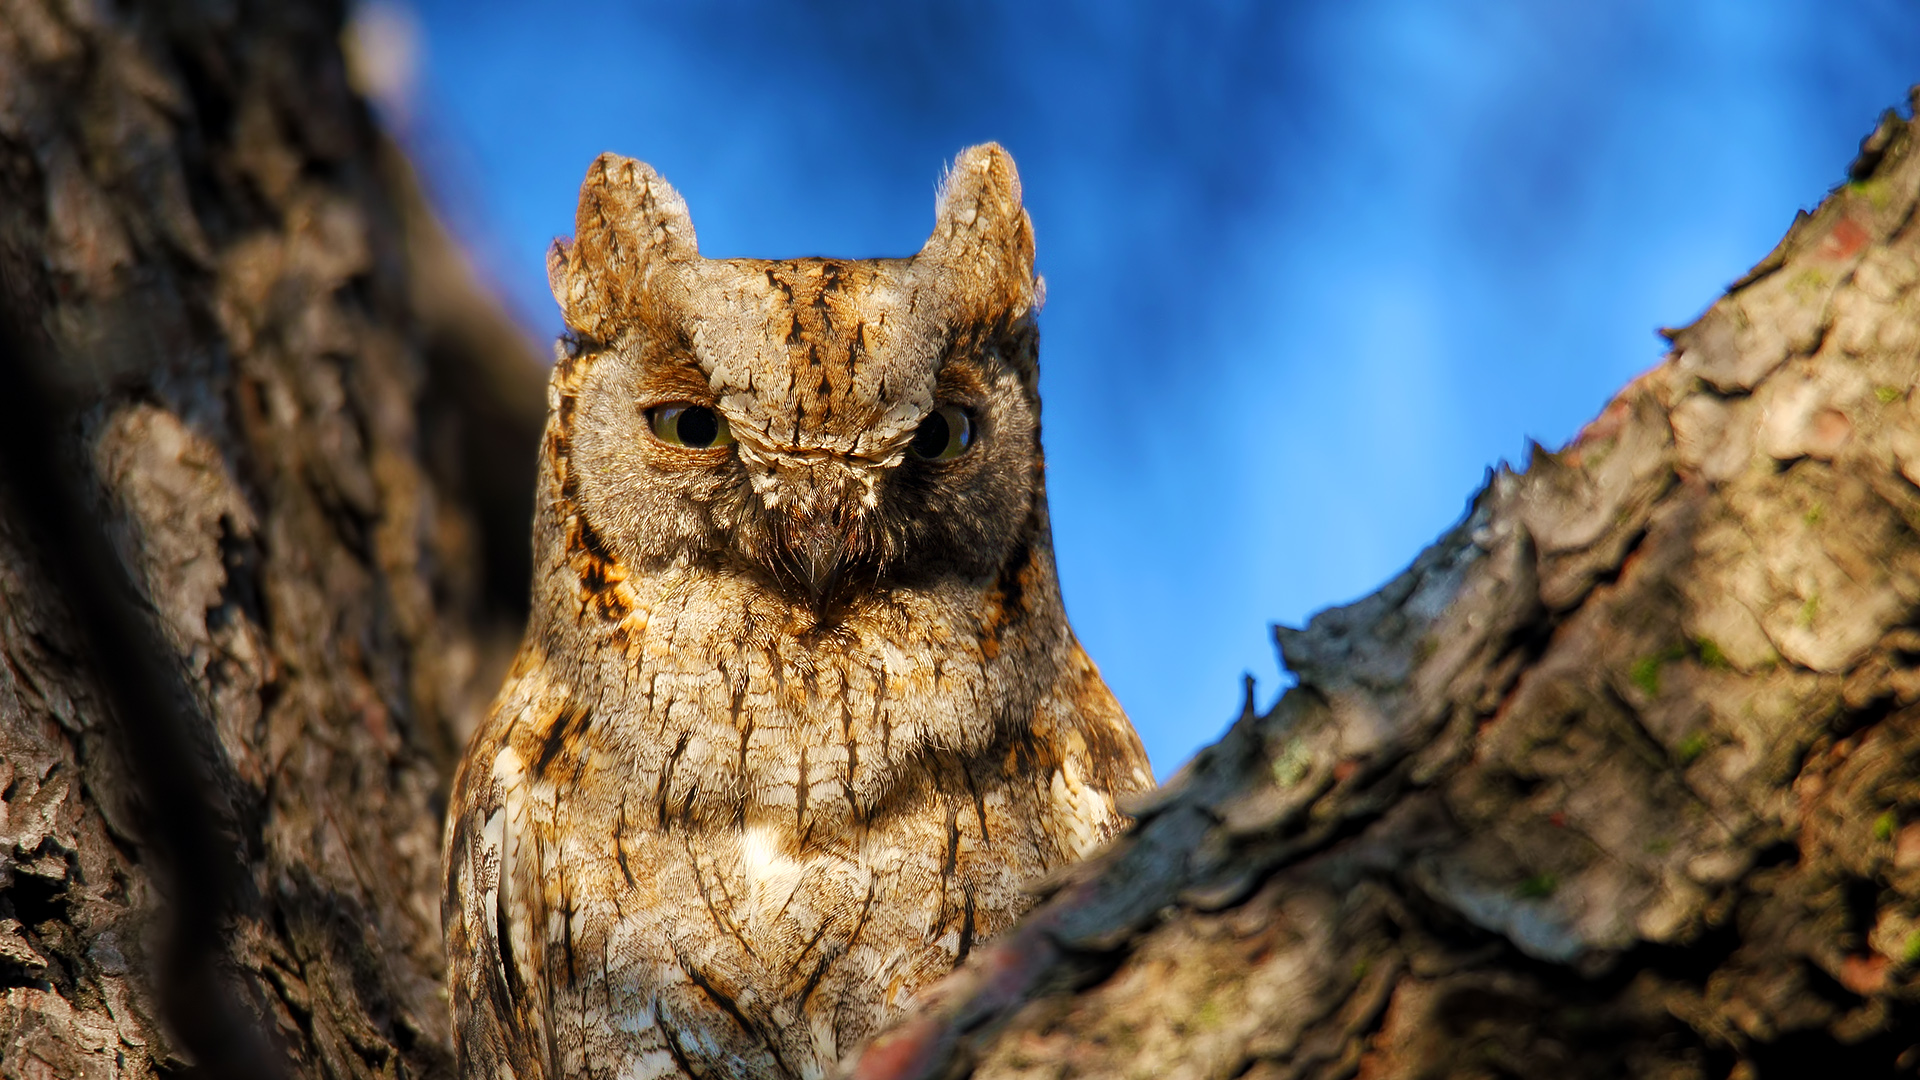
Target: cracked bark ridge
x=1617 y=779
x=198 y=218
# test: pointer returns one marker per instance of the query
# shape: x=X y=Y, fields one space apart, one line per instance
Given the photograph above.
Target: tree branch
x=1617 y=779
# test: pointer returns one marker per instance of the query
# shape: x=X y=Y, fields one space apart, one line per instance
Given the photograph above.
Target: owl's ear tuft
x=631 y=230
x=982 y=238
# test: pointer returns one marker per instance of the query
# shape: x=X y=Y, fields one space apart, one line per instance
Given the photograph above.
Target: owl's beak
x=823 y=560
x=820 y=545
x=821 y=529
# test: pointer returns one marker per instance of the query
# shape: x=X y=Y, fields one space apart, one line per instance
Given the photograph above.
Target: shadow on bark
x=265 y=379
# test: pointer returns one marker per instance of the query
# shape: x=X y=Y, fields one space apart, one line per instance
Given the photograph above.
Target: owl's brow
x=676 y=377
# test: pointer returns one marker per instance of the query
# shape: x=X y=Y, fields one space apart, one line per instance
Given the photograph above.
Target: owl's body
x=798 y=712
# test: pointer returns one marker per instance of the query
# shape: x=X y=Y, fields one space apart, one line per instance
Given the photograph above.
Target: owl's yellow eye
x=693 y=426
x=945 y=433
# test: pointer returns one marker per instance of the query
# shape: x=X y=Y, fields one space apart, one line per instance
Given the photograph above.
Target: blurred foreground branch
x=159 y=732
x=263 y=375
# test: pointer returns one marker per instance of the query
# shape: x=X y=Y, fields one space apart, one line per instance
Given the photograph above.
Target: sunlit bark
x=1620 y=778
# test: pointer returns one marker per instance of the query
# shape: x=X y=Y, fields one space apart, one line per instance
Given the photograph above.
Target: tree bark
x=1619 y=778
x=277 y=367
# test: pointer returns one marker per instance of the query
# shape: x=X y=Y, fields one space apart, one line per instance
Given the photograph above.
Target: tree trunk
x=1620 y=778
x=276 y=362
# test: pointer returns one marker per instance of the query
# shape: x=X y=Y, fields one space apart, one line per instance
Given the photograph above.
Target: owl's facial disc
x=822 y=515
x=823 y=428
x=821 y=520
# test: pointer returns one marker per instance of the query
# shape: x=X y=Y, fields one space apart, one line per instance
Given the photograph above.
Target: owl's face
x=826 y=429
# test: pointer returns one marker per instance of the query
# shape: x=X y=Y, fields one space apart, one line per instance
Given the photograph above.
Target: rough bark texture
x=199 y=220
x=1618 y=779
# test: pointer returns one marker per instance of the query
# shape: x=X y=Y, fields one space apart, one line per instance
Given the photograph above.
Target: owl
x=798 y=716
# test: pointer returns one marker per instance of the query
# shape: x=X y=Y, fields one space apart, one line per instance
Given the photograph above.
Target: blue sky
x=1311 y=267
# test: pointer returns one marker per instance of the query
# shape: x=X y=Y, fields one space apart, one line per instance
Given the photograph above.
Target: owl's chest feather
x=760 y=935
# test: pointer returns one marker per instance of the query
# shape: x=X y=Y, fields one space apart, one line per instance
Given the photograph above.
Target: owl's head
x=823 y=427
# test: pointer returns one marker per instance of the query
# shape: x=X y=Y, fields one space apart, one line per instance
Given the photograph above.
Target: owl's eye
x=693 y=426
x=945 y=433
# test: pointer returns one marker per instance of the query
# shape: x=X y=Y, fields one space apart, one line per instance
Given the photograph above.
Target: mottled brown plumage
x=799 y=714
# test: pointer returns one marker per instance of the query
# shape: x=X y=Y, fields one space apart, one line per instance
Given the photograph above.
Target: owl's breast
x=743 y=844
x=717 y=699
x=753 y=945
